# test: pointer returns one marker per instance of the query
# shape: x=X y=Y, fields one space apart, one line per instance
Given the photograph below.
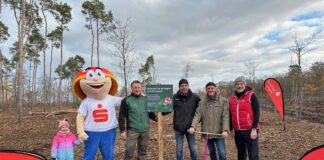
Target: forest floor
x=35 y=133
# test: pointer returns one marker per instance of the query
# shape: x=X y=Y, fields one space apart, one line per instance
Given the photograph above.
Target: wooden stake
x=160 y=135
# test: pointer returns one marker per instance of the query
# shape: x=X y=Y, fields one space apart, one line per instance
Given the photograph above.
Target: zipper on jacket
x=65 y=150
x=139 y=111
x=237 y=112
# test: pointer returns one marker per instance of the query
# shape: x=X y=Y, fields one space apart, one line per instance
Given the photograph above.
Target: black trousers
x=244 y=142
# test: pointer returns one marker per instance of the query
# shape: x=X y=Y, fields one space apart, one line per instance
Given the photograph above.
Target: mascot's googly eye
x=90 y=75
x=100 y=75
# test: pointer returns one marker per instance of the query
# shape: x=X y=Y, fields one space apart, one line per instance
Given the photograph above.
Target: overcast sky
x=215 y=37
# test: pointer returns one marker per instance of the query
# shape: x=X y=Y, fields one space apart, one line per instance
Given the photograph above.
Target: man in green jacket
x=213 y=113
x=132 y=114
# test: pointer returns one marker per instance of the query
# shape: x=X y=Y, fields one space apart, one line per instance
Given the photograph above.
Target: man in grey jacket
x=213 y=113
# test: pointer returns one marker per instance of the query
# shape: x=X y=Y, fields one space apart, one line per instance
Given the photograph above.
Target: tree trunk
x=301 y=104
x=61 y=69
x=32 y=86
x=15 y=87
x=34 y=82
x=299 y=58
x=44 y=61
x=50 y=77
x=1 y=82
x=54 y=95
x=6 y=94
x=21 y=29
x=98 y=42
x=68 y=91
x=125 y=76
x=30 y=83
x=92 y=41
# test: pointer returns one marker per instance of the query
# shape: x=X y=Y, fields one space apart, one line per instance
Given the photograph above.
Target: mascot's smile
x=95 y=85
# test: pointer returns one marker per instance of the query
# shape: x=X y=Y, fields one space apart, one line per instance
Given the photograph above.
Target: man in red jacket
x=245 y=115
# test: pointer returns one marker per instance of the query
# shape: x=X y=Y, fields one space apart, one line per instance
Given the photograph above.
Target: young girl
x=62 y=146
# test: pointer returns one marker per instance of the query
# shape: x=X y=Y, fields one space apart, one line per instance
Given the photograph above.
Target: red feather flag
x=274 y=91
x=316 y=153
x=19 y=155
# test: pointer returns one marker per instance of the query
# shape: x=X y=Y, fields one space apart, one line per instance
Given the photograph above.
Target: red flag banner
x=274 y=91
x=316 y=153
x=19 y=155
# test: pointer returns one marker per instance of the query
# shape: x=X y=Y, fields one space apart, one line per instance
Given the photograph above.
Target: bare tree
x=303 y=46
x=123 y=42
x=186 y=70
x=251 y=68
x=300 y=48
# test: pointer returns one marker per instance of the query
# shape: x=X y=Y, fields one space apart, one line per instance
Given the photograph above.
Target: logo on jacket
x=100 y=114
x=278 y=94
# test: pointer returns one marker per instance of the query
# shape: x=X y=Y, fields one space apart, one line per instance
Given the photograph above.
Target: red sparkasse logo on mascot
x=100 y=114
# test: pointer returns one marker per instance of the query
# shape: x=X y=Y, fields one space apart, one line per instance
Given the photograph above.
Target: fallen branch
x=47 y=114
x=37 y=113
x=60 y=112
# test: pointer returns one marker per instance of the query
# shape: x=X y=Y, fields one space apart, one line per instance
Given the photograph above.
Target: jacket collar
x=136 y=95
x=64 y=135
x=247 y=89
x=184 y=95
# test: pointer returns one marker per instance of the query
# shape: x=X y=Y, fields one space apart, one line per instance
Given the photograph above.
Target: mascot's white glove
x=80 y=129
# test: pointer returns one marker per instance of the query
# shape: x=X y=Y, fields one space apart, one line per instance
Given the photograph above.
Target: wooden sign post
x=159 y=99
x=160 y=135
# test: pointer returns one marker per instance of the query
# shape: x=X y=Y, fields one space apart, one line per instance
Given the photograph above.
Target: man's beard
x=240 y=91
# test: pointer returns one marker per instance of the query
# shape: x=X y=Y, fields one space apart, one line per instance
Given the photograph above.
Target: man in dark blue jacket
x=185 y=104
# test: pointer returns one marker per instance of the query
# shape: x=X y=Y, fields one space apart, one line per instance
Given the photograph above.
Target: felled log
x=47 y=114
x=60 y=112
x=37 y=113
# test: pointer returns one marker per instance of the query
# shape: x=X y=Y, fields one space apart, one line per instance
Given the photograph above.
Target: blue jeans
x=220 y=144
x=191 y=144
x=105 y=141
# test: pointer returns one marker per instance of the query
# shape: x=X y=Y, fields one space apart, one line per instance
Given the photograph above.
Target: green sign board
x=159 y=98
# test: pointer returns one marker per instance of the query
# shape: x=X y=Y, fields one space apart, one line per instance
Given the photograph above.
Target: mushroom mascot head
x=96 y=119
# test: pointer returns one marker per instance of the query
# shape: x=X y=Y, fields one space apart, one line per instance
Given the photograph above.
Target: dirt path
x=36 y=133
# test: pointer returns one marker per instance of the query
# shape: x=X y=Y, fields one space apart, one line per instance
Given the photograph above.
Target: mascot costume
x=96 y=119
